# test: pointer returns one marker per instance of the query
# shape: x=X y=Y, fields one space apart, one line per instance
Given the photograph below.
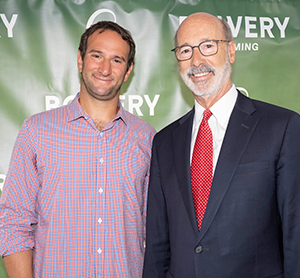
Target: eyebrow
x=203 y=40
x=101 y=52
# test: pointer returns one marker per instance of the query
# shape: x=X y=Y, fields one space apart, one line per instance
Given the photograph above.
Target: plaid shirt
x=77 y=195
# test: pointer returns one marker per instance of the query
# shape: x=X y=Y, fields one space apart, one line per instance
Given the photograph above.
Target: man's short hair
x=108 y=25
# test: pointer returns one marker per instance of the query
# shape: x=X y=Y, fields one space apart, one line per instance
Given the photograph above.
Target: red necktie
x=202 y=167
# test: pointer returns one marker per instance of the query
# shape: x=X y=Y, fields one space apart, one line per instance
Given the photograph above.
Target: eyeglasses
x=206 y=48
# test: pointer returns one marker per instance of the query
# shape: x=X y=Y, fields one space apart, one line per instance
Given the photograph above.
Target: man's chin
x=200 y=92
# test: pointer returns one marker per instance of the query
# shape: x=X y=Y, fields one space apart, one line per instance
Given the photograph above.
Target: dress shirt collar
x=75 y=111
x=221 y=109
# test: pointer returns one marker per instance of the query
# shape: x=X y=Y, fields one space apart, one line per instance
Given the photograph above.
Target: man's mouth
x=202 y=71
x=200 y=74
x=102 y=79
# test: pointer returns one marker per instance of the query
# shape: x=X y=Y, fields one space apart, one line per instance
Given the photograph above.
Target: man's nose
x=197 y=58
x=105 y=67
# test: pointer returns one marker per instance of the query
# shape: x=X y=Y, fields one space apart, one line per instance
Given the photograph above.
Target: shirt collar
x=121 y=114
x=75 y=111
x=221 y=109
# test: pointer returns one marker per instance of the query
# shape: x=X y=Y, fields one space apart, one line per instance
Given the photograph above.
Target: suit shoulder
x=274 y=111
x=263 y=109
x=272 y=107
x=167 y=131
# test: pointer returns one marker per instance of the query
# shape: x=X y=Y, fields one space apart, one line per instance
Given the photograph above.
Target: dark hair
x=108 y=25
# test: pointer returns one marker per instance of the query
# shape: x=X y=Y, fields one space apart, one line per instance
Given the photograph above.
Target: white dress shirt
x=218 y=122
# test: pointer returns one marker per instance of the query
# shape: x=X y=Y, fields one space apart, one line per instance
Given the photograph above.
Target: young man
x=73 y=203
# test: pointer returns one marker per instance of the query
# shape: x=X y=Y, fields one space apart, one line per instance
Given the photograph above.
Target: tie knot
x=206 y=114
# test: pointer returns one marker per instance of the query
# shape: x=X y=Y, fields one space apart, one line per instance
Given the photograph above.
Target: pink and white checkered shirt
x=77 y=195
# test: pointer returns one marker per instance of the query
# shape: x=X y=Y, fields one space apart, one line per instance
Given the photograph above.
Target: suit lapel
x=181 y=140
x=239 y=131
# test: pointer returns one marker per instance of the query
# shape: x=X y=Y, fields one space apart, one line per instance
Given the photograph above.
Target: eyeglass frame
x=217 y=41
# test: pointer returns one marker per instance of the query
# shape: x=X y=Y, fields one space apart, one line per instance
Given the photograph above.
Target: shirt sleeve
x=18 y=200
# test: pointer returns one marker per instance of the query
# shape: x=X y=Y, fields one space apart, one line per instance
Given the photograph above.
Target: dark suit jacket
x=251 y=227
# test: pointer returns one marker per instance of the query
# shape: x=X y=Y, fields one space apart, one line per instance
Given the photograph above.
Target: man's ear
x=79 y=61
x=231 y=51
x=128 y=72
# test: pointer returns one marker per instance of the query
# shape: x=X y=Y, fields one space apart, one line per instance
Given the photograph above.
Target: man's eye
x=96 y=56
x=209 y=45
x=185 y=50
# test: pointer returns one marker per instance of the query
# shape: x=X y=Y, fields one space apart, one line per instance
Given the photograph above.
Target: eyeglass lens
x=206 y=48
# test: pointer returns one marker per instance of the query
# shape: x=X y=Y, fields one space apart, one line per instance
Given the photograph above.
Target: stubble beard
x=94 y=92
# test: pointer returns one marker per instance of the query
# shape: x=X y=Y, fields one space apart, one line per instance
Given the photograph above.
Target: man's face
x=104 y=66
x=205 y=75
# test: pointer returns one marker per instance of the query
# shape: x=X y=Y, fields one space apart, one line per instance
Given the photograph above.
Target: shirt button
x=101 y=160
x=99 y=250
x=101 y=190
x=100 y=220
x=198 y=249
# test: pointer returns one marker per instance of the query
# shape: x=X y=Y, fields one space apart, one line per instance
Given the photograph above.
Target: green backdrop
x=39 y=42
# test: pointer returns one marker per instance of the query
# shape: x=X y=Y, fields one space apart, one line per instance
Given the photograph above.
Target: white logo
x=132 y=103
x=243 y=90
x=96 y=13
x=9 y=24
x=2 y=179
x=253 y=24
x=254 y=27
x=266 y=24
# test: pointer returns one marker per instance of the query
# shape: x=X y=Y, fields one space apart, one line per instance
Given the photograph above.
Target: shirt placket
x=101 y=221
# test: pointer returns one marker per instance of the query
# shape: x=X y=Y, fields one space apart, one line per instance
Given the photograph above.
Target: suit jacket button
x=198 y=249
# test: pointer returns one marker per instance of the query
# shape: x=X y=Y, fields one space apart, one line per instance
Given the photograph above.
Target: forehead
x=195 y=29
x=108 y=41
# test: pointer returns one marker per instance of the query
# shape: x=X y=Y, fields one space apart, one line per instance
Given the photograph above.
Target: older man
x=224 y=193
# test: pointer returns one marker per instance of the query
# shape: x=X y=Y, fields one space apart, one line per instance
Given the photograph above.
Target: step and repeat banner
x=39 y=42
